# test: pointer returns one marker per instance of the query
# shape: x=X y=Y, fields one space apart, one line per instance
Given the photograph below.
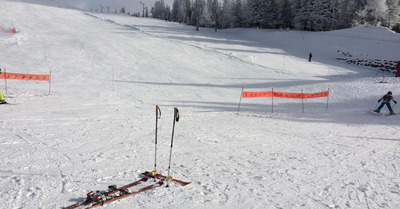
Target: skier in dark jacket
x=386 y=101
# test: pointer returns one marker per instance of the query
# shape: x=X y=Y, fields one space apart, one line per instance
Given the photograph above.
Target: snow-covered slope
x=96 y=128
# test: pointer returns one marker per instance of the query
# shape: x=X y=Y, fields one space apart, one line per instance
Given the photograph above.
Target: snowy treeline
x=313 y=15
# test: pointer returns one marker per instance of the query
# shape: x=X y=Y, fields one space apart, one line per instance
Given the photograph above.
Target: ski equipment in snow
x=7 y=103
x=162 y=177
x=154 y=174
x=381 y=114
x=124 y=193
x=375 y=112
x=391 y=114
x=158 y=116
x=176 y=119
x=95 y=196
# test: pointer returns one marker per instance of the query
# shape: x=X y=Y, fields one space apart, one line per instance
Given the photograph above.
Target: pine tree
x=159 y=10
x=323 y=18
x=272 y=15
x=225 y=13
x=187 y=10
x=285 y=14
x=167 y=12
x=393 y=15
x=248 y=18
x=314 y=15
x=346 y=13
x=360 y=16
x=196 y=16
x=236 y=17
x=215 y=14
x=264 y=13
x=175 y=11
x=301 y=14
x=377 y=11
x=207 y=14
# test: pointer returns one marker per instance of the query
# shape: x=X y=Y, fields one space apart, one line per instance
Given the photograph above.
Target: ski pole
x=176 y=119
x=158 y=116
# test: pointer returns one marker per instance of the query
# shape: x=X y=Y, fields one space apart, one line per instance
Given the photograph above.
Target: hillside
x=96 y=128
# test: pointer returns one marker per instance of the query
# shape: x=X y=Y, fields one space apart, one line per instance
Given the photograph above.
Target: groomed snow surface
x=97 y=126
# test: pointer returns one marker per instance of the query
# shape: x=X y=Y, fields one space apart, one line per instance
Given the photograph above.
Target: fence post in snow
x=5 y=79
x=49 y=82
x=302 y=100
x=272 y=100
x=327 y=100
x=240 y=101
x=112 y=81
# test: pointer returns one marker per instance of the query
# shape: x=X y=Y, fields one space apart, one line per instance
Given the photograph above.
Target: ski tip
x=182 y=183
x=391 y=114
x=375 y=113
x=8 y=103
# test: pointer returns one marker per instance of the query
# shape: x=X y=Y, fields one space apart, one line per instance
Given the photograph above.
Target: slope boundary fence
x=21 y=76
x=289 y=95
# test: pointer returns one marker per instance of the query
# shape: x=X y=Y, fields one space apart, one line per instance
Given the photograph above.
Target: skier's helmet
x=390 y=93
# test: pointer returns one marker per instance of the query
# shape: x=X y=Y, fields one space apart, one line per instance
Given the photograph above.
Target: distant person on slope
x=2 y=101
x=386 y=101
x=398 y=69
x=309 y=57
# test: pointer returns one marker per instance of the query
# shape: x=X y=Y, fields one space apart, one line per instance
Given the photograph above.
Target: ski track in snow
x=196 y=45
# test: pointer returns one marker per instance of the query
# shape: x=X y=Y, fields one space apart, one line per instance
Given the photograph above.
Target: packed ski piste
x=251 y=118
x=99 y=198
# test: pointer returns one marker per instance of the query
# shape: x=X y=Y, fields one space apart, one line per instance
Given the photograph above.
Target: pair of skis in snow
x=96 y=197
x=378 y=113
x=381 y=114
x=7 y=103
x=113 y=193
x=100 y=200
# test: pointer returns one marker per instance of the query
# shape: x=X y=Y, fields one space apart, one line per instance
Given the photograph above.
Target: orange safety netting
x=20 y=76
x=249 y=94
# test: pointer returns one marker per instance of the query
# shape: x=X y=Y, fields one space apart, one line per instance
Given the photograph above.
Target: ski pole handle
x=176 y=114
x=158 y=112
